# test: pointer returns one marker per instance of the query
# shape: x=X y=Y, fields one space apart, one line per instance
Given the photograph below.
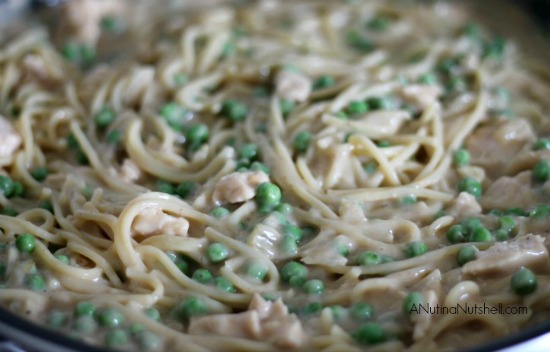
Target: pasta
x=308 y=175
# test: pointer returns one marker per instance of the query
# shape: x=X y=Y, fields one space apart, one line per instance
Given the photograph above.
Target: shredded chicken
x=238 y=187
x=292 y=85
x=493 y=146
x=506 y=257
x=10 y=140
x=508 y=192
x=84 y=17
x=153 y=221
x=38 y=70
x=129 y=171
x=263 y=321
x=423 y=96
x=464 y=205
x=266 y=239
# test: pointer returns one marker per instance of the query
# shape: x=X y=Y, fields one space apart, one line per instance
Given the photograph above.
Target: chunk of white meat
x=10 y=140
x=130 y=171
x=84 y=17
x=238 y=187
x=421 y=95
x=464 y=205
x=267 y=240
x=494 y=145
x=263 y=321
x=153 y=221
x=38 y=69
x=292 y=85
x=326 y=253
x=507 y=257
x=510 y=192
x=379 y=124
x=351 y=212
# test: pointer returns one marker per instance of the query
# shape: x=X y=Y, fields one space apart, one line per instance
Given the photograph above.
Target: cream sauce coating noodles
x=305 y=175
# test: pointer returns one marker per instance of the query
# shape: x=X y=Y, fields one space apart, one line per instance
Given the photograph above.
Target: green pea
x=62 y=258
x=380 y=103
x=192 y=306
x=287 y=106
x=72 y=142
x=185 y=189
x=369 y=258
x=2 y=270
x=183 y=265
x=85 y=324
x=25 y=243
x=289 y=246
x=6 y=186
x=524 y=282
x=135 y=328
x=81 y=157
x=294 y=232
x=379 y=24
x=165 y=187
x=301 y=141
x=204 y=276
x=323 y=82
x=361 y=311
x=174 y=115
x=501 y=235
x=116 y=338
x=470 y=185
x=248 y=151
x=217 y=252
x=370 y=167
x=292 y=269
x=224 y=284
x=228 y=50
x=337 y=311
x=234 y=110
x=104 y=117
x=311 y=308
x=415 y=249
x=357 y=107
x=284 y=209
x=540 y=211
x=114 y=137
x=369 y=334
x=152 y=313
x=383 y=144
x=461 y=157
x=35 y=282
x=18 y=190
x=542 y=144
x=257 y=166
x=84 y=308
x=71 y=51
x=56 y=319
x=342 y=115
x=342 y=249
x=359 y=42
x=220 y=212
x=481 y=234
x=411 y=302
x=87 y=53
x=110 y=318
x=9 y=211
x=47 y=205
x=541 y=171
x=470 y=224
x=428 y=79
x=409 y=200
x=466 y=254
x=256 y=270
x=196 y=135
x=472 y=31
x=148 y=341
x=314 y=287
x=39 y=173
x=507 y=223
x=456 y=234
x=268 y=195
x=494 y=49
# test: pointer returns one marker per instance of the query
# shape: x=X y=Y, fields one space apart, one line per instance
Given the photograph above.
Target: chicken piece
x=10 y=140
x=464 y=205
x=494 y=145
x=84 y=17
x=264 y=321
x=153 y=221
x=266 y=239
x=38 y=70
x=382 y=123
x=510 y=192
x=506 y=257
x=292 y=85
x=326 y=253
x=421 y=95
x=238 y=187
x=129 y=171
